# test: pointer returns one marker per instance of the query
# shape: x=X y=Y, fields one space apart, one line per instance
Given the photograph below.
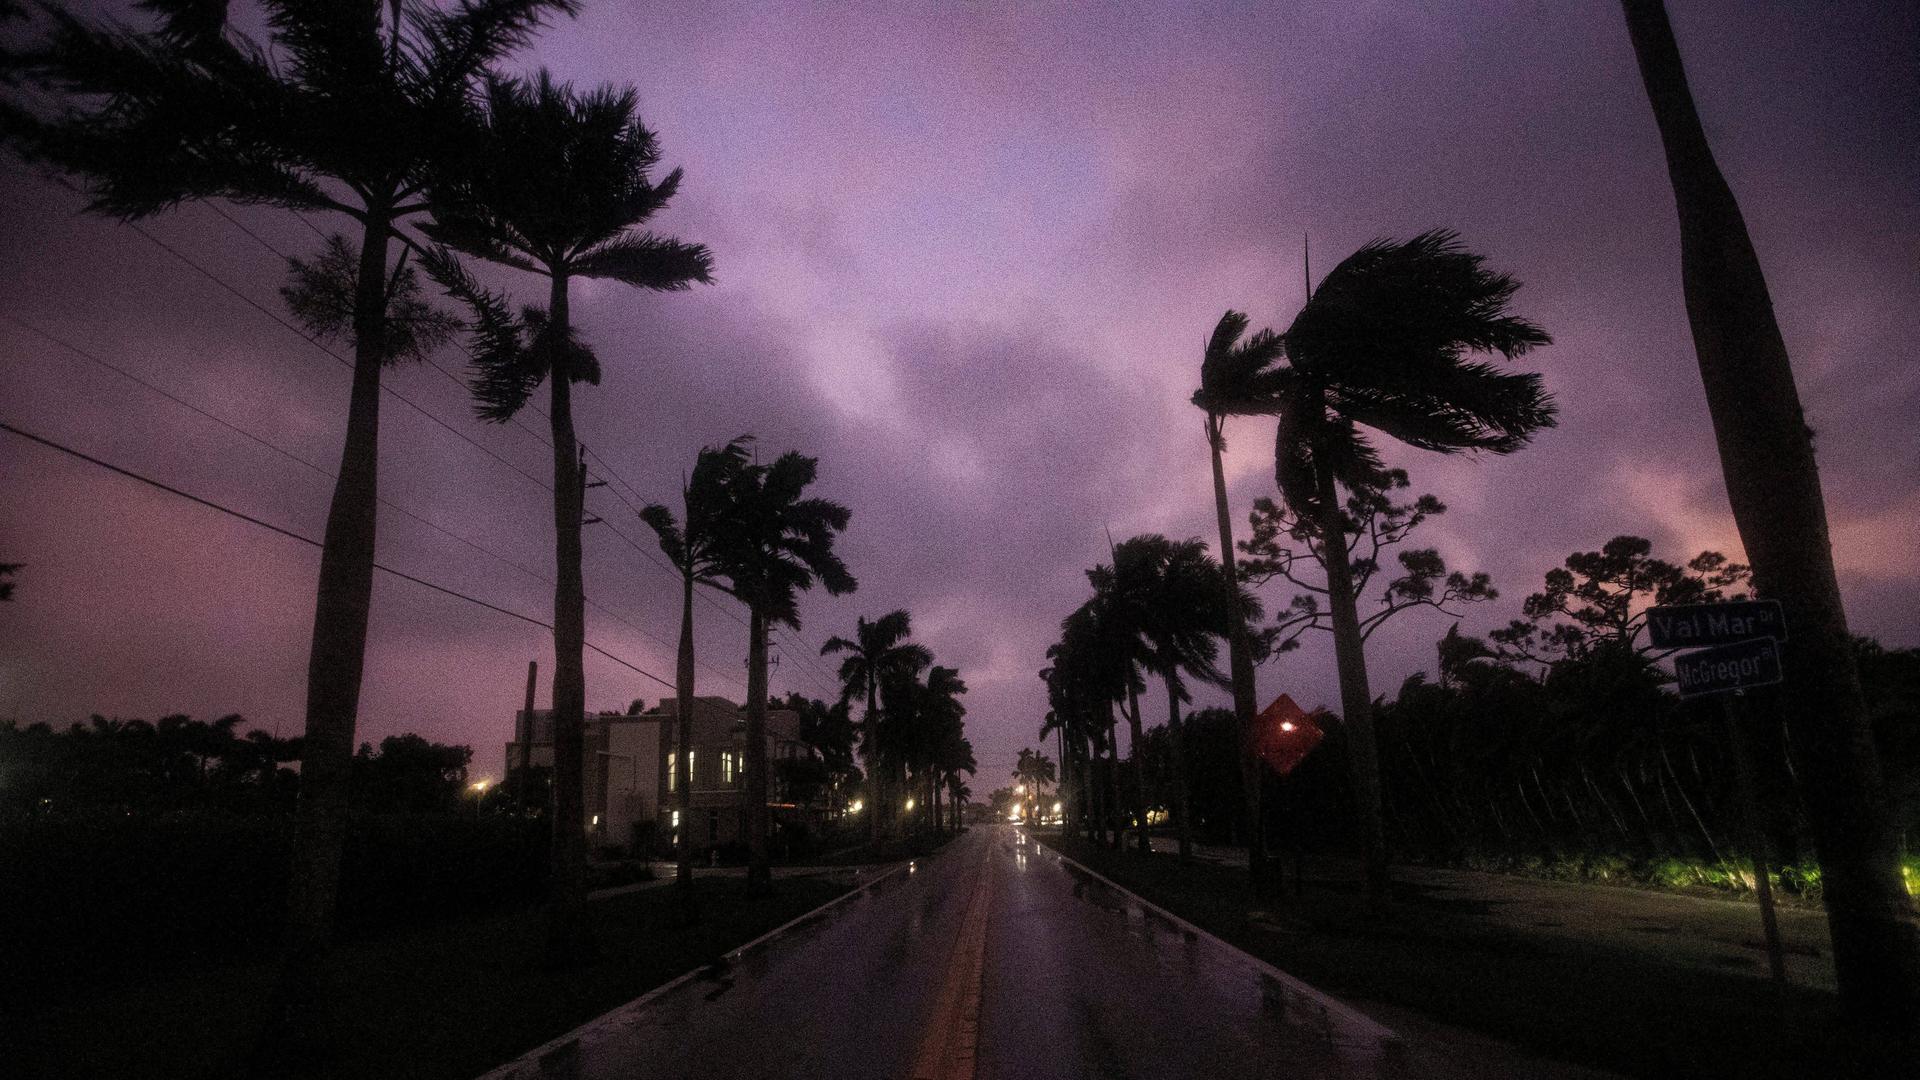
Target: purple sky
x=968 y=257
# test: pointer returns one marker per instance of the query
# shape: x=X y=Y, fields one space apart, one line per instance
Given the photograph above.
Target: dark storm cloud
x=967 y=257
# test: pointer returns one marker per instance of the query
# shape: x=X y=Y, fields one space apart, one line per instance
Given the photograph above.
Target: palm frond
x=648 y=262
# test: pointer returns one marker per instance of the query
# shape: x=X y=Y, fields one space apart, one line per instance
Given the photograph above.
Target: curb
x=509 y=1069
x=1389 y=1040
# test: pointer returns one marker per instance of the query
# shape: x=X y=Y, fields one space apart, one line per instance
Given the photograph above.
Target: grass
x=448 y=1001
x=1567 y=999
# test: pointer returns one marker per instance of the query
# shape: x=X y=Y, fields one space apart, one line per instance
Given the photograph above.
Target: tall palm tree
x=695 y=550
x=1119 y=623
x=1099 y=670
x=781 y=543
x=555 y=183
x=958 y=793
x=955 y=757
x=347 y=109
x=1169 y=594
x=1773 y=484
x=1384 y=344
x=1230 y=372
x=942 y=716
x=1033 y=771
x=878 y=650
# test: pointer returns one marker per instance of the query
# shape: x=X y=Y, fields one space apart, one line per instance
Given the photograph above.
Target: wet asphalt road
x=992 y=959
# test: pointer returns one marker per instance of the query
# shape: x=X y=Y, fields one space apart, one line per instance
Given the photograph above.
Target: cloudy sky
x=967 y=256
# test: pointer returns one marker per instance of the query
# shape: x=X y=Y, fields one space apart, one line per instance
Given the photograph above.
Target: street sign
x=1284 y=735
x=1700 y=626
x=1729 y=667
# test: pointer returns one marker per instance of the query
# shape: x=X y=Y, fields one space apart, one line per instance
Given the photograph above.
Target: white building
x=629 y=770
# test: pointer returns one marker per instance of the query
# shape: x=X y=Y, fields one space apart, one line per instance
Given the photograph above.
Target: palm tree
x=696 y=551
x=1119 y=624
x=780 y=544
x=942 y=718
x=1033 y=771
x=1383 y=344
x=349 y=109
x=1230 y=372
x=1094 y=673
x=1773 y=484
x=554 y=184
x=1168 y=594
x=879 y=650
x=958 y=793
x=955 y=757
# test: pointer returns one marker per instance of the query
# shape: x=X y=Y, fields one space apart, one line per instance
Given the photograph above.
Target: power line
x=316 y=343
x=296 y=331
x=384 y=501
x=290 y=534
x=605 y=467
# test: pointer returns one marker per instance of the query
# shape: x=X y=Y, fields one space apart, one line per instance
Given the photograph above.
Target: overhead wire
x=290 y=534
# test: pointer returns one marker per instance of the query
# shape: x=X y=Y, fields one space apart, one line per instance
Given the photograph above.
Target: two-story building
x=630 y=758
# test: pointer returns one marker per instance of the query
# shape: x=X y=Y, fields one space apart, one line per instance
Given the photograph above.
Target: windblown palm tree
x=347 y=109
x=942 y=717
x=1033 y=771
x=555 y=183
x=1169 y=594
x=878 y=651
x=708 y=499
x=954 y=756
x=1773 y=484
x=1230 y=372
x=781 y=543
x=1093 y=669
x=1384 y=344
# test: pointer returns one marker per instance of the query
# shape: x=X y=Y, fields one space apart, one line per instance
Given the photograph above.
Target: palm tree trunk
x=1139 y=769
x=567 y=899
x=1240 y=660
x=337 y=653
x=1356 y=699
x=1183 y=805
x=683 y=739
x=876 y=794
x=759 y=872
x=1773 y=484
x=1113 y=781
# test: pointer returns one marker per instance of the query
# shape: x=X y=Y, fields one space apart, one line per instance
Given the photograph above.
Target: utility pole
x=524 y=778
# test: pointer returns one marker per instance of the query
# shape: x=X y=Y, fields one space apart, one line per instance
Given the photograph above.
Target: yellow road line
x=953 y=1033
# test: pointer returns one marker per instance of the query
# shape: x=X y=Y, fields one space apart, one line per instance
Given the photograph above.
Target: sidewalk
x=1714 y=933
x=663 y=873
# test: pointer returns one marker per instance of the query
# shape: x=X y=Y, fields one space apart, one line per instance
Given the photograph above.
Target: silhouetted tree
x=347 y=109
x=878 y=650
x=693 y=548
x=1234 y=380
x=1378 y=524
x=1599 y=599
x=781 y=543
x=1383 y=343
x=555 y=184
x=1773 y=485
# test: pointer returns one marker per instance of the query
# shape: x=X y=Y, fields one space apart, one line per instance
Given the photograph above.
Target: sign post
x=1737 y=646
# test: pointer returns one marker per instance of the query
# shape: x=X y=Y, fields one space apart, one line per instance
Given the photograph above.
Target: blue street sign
x=1699 y=626
x=1729 y=667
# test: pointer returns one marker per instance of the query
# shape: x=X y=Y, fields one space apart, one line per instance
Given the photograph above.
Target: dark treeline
x=178 y=764
x=1556 y=745
x=160 y=843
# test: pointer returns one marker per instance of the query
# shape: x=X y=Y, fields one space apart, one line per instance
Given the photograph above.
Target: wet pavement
x=995 y=958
